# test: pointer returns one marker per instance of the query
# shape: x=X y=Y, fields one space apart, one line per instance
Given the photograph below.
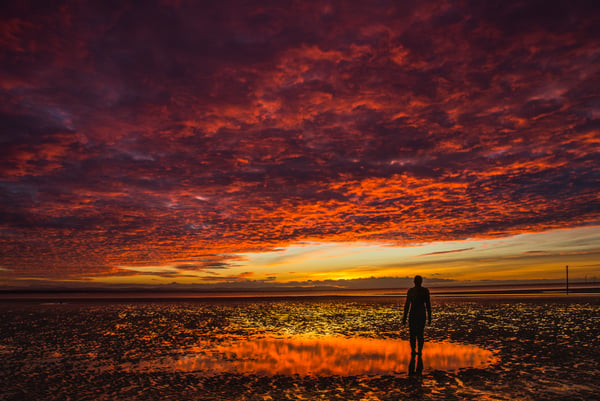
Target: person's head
x=418 y=281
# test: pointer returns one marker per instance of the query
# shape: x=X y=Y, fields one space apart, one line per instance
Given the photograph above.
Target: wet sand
x=538 y=348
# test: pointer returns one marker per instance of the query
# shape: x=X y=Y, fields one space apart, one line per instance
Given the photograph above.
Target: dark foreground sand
x=543 y=349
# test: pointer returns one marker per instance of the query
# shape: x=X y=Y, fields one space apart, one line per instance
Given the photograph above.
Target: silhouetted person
x=418 y=310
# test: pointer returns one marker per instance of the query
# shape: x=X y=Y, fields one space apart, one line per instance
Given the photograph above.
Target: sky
x=303 y=142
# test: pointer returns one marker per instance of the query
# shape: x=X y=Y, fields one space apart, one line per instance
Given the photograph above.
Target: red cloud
x=146 y=136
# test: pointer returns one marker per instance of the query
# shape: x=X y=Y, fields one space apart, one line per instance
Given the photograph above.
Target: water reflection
x=322 y=356
x=415 y=369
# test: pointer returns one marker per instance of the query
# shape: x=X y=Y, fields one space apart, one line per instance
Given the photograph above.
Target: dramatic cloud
x=179 y=133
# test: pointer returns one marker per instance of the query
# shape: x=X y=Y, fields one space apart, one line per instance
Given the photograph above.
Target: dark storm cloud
x=140 y=134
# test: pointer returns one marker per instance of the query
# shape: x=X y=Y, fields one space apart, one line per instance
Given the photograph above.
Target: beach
x=336 y=348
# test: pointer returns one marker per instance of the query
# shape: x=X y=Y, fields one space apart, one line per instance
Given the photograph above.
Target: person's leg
x=413 y=327
x=420 y=334
x=413 y=339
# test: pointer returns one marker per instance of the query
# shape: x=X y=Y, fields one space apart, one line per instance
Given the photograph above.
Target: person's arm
x=406 y=308
x=428 y=305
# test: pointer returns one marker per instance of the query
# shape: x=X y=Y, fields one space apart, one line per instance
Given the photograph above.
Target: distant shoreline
x=578 y=289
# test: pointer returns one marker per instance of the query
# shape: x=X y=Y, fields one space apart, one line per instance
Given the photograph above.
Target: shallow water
x=348 y=348
x=319 y=356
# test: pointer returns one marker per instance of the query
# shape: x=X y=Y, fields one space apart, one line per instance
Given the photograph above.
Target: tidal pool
x=319 y=356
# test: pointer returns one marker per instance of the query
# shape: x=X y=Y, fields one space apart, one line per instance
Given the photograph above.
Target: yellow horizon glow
x=520 y=257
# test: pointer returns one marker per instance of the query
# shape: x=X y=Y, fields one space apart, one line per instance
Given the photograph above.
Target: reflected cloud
x=320 y=356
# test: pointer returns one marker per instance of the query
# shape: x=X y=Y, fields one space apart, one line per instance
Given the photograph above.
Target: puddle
x=321 y=356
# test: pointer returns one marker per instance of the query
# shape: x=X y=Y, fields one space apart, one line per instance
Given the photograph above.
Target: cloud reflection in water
x=321 y=356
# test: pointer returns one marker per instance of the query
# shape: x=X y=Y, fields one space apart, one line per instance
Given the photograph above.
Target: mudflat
x=332 y=348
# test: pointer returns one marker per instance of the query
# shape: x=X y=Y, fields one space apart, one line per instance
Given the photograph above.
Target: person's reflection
x=415 y=367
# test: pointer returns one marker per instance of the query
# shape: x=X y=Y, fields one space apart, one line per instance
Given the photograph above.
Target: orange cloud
x=149 y=136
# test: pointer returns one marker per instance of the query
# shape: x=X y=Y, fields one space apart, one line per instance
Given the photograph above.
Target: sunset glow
x=269 y=143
